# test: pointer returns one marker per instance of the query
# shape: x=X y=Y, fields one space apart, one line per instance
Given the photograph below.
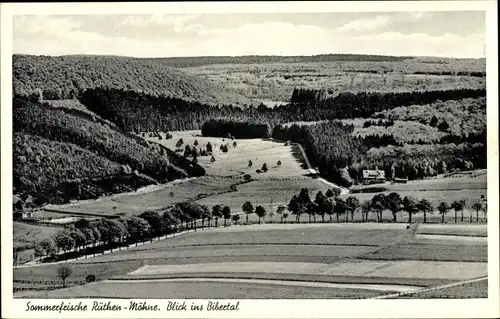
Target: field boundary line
x=269 y=244
x=431 y=288
x=280 y=282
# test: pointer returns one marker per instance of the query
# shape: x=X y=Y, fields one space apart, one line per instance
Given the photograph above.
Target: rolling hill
x=64 y=77
x=62 y=154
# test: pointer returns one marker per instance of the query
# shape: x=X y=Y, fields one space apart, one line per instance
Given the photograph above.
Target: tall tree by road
x=366 y=206
x=248 y=209
x=352 y=205
x=295 y=207
x=378 y=204
x=226 y=213
x=64 y=272
x=457 y=206
x=217 y=213
x=425 y=206
x=394 y=204
x=477 y=206
x=410 y=206
x=443 y=208
x=340 y=208
x=261 y=213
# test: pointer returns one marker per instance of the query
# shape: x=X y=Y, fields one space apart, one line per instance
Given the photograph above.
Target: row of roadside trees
x=344 y=210
x=86 y=237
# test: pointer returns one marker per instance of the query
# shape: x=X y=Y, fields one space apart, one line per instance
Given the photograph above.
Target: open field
x=207 y=289
x=232 y=258
x=235 y=161
x=162 y=196
x=275 y=81
x=280 y=183
x=25 y=236
x=358 y=268
x=268 y=193
x=28 y=234
x=271 y=189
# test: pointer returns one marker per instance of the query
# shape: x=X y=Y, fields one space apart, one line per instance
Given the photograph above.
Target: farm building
x=371 y=176
x=23 y=215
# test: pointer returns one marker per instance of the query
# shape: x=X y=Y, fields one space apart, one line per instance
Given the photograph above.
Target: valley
x=138 y=184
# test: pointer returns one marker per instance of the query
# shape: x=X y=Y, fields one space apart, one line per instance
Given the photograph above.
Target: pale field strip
x=200 y=290
x=431 y=289
x=239 y=251
x=378 y=287
x=453 y=238
x=371 y=268
x=357 y=226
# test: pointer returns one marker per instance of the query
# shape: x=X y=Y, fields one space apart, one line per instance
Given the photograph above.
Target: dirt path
x=343 y=190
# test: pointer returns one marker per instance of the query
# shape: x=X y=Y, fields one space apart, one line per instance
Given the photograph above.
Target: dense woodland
x=59 y=156
x=134 y=111
x=65 y=77
x=341 y=157
x=261 y=59
x=224 y=128
x=365 y=104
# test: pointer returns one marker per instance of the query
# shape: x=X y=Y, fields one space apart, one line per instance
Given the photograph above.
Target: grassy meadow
x=273 y=82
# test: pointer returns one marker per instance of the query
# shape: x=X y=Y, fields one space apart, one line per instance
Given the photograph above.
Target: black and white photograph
x=226 y=156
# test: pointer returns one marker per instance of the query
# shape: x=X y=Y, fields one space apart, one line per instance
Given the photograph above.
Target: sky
x=444 y=34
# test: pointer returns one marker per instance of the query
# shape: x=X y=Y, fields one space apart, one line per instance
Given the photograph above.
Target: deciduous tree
x=261 y=212
x=248 y=209
x=64 y=272
x=410 y=206
x=394 y=204
x=352 y=205
x=425 y=206
x=226 y=213
x=477 y=206
x=443 y=208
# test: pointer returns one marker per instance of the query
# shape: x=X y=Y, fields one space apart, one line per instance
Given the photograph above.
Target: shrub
x=90 y=278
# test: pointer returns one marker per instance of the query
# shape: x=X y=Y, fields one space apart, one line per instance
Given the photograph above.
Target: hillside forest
x=63 y=153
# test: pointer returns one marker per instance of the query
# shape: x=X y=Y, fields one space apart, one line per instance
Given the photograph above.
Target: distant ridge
x=249 y=59
x=65 y=77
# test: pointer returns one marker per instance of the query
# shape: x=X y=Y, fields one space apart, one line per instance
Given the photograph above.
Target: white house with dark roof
x=373 y=175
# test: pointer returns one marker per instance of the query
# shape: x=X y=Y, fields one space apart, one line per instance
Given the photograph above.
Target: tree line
x=260 y=59
x=85 y=237
x=344 y=210
x=365 y=104
x=230 y=129
x=139 y=112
